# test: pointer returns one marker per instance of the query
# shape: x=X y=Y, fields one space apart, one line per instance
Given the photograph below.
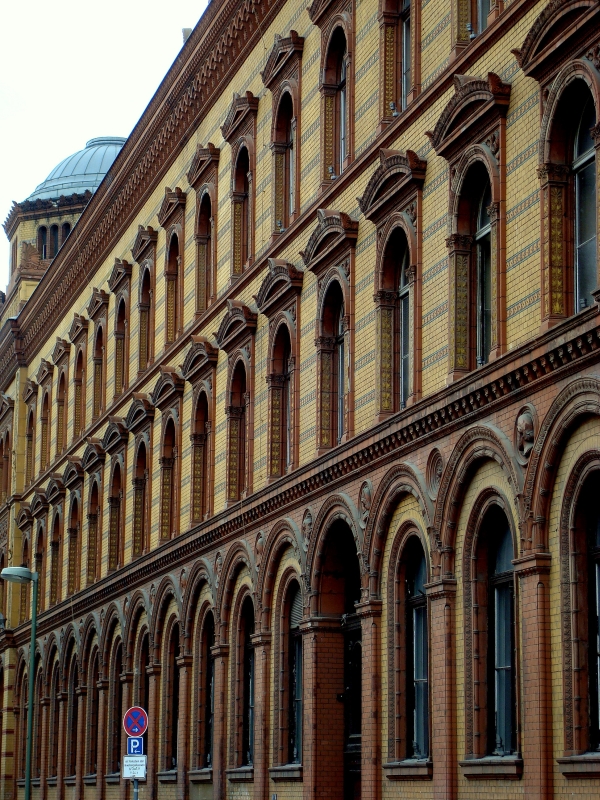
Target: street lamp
x=25 y=575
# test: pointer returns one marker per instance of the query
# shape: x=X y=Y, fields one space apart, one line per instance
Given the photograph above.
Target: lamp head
x=18 y=575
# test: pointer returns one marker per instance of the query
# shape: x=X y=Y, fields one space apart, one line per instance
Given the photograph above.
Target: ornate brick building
x=300 y=426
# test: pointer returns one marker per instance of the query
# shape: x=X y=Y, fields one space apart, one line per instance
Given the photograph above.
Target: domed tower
x=38 y=226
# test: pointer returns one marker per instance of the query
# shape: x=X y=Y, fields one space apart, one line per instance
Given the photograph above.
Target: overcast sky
x=71 y=71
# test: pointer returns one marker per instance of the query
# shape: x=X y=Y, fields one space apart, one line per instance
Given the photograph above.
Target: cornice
x=241 y=109
x=173 y=203
x=169 y=388
x=145 y=240
x=238 y=322
x=141 y=412
x=201 y=355
x=120 y=275
x=397 y=174
x=281 y=283
x=78 y=328
x=204 y=158
x=98 y=303
x=282 y=52
x=33 y=209
x=61 y=350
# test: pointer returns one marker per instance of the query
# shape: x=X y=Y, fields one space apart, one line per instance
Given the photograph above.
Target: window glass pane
x=416 y=584
x=584 y=142
x=484 y=10
x=484 y=300
x=503 y=648
x=404 y=349
x=406 y=54
x=504 y=554
x=586 y=279
x=597 y=653
x=483 y=219
x=420 y=676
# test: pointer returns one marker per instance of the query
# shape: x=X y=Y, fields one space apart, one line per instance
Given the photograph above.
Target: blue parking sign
x=135 y=746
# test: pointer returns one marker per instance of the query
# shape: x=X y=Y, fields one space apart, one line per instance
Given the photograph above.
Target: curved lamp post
x=25 y=575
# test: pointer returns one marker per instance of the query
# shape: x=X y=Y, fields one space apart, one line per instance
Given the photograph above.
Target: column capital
x=533 y=564
x=446 y=587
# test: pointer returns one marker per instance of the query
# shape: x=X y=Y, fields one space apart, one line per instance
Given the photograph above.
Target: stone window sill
x=240 y=774
x=506 y=768
x=200 y=775
x=410 y=769
x=167 y=776
x=286 y=772
x=586 y=765
x=89 y=780
x=112 y=777
x=20 y=782
x=35 y=782
x=70 y=780
x=49 y=781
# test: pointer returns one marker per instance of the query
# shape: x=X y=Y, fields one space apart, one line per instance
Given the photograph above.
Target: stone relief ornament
x=218 y=568
x=365 y=498
x=435 y=467
x=183 y=581
x=307 y=523
x=259 y=549
x=525 y=432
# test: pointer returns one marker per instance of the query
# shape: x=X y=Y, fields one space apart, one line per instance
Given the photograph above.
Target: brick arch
x=475 y=154
x=401 y=220
x=89 y=629
x=478 y=444
x=283 y=534
x=112 y=618
x=139 y=603
x=399 y=481
x=69 y=649
x=580 y=399
x=201 y=574
x=51 y=655
x=167 y=590
x=238 y=556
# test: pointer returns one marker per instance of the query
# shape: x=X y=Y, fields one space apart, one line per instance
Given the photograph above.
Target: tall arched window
x=145 y=347
x=30 y=445
x=116 y=712
x=483 y=278
x=21 y=719
x=284 y=155
x=36 y=755
x=45 y=445
x=79 y=404
x=281 y=433
x=168 y=523
x=236 y=412
x=92 y=548
x=200 y=451
x=336 y=89
x=40 y=549
x=584 y=174
x=140 y=502
x=242 y=220
x=204 y=254
x=55 y=561
x=60 y=414
x=334 y=374
x=93 y=705
x=53 y=241
x=2 y=594
x=246 y=667
x=42 y=239
x=172 y=701
x=98 y=373
x=293 y=689
x=479 y=16
x=66 y=230
x=54 y=729
x=143 y=682
x=73 y=565
x=172 y=322
x=72 y=718
x=115 y=502
x=25 y=588
x=206 y=692
x=120 y=349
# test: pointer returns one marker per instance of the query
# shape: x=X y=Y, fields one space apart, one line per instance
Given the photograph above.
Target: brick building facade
x=300 y=426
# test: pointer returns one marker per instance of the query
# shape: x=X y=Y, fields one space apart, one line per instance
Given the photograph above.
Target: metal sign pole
x=135 y=789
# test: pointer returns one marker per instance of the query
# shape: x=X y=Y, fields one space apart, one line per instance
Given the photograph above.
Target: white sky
x=71 y=71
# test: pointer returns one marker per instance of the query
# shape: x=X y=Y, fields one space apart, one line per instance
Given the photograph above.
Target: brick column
x=262 y=650
x=220 y=653
x=442 y=598
x=101 y=754
x=536 y=725
x=127 y=681
x=81 y=739
x=184 y=664
x=44 y=711
x=62 y=741
x=323 y=662
x=370 y=619
x=153 y=705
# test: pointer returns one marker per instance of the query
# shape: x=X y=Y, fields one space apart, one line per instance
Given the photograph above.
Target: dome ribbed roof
x=82 y=171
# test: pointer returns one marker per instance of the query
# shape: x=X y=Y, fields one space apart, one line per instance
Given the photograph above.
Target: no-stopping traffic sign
x=135 y=721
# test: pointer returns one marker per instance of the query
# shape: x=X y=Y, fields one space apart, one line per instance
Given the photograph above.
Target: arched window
x=21 y=727
x=584 y=174
x=79 y=404
x=73 y=566
x=6 y=469
x=172 y=701
x=45 y=445
x=25 y=588
x=493 y=623
x=54 y=728
x=60 y=414
x=36 y=755
x=206 y=692
x=145 y=344
x=72 y=718
x=204 y=255
x=293 y=689
x=92 y=548
x=483 y=278
x=410 y=701
x=245 y=681
x=168 y=521
x=281 y=405
x=120 y=349
x=285 y=165
x=40 y=549
x=479 y=16
x=93 y=695
x=53 y=240
x=140 y=501
x=55 y=561
x=143 y=682
x=241 y=212
x=42 y=239
x=336 y=92
x=200 y=451
x=236 y=412
x=30 y=447
x=334 y=380
x=585 y=616
x=2 y=595
x=99 y=373
x=66 y=230
x=406 y=52
x=116 y=712
x=115 y=523
x=172 y=322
